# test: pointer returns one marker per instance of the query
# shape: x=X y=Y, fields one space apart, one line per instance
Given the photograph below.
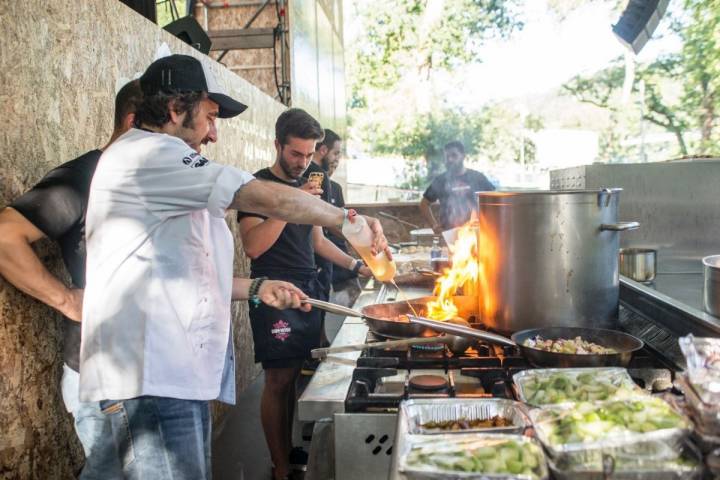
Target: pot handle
x=620 y=226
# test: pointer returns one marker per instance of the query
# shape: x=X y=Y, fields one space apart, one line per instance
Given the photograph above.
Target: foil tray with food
x=551 y=386
x=650 y=461
x=491 y=456
x=438 y=416
x=585 y=432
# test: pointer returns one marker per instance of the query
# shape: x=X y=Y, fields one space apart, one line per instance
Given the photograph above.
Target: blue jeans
x=161 y=438
x=94 y=431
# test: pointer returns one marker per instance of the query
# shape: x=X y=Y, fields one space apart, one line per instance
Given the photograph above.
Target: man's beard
x=287 y=169
x=325 y=163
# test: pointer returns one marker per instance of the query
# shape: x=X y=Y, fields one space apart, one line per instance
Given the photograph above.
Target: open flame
x=470 y=271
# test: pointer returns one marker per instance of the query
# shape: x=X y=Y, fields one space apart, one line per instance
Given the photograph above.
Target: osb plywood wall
x=59 y=67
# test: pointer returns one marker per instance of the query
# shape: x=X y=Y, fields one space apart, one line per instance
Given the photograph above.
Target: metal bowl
x=711 y=284
x=639 y=264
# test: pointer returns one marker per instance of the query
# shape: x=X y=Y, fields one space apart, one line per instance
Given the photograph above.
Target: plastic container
x=555 y=386
x=706 y=415
x=359 y=235
x=473 y=455
x=417 y=414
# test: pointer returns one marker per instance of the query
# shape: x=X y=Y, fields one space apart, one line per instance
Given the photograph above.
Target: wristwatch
x=358 y=265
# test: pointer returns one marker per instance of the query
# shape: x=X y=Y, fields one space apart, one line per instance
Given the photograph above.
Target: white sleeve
x=183 y=181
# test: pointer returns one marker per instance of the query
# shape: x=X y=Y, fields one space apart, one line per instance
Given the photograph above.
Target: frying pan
x=623 y=343
x=386 y=324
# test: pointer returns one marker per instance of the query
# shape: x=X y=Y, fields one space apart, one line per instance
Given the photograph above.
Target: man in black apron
x=284 y=251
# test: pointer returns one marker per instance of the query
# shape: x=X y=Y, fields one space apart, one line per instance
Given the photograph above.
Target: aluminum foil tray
x=570 y=385
x=616 y=443
x=417 y=413
x=438 y=457
x=644 y=465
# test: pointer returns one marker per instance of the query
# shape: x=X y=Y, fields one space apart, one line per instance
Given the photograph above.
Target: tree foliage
x=681 y=90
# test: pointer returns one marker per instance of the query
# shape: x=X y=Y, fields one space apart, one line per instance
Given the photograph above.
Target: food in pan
x=466 y=424
x=590 y=422
x=576 y=346
x=563 y=387
x=490 y=457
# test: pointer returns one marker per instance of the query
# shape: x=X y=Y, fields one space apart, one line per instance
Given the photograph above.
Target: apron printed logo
x=281 y=330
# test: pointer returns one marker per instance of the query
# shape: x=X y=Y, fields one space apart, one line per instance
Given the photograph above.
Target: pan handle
x=461 y=331
x=324 y=352
x=620 y=226
x=333 y=307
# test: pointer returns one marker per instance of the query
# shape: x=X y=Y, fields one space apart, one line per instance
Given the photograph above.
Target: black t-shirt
x=293 y=251
x=56 y=206
x=457 y=196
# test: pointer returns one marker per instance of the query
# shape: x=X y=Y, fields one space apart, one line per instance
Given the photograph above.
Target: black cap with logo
x=183 y=73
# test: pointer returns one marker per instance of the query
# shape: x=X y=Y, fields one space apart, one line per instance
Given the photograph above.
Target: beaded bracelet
x=253 y=291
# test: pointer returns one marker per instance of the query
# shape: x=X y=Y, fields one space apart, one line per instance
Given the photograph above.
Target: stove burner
x=429 y=382
x=429 y=347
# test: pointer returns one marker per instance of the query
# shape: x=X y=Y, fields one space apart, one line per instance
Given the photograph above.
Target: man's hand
x=311 y=188
x=72 y=305
x=379 y=241
x=282 y=295
x=365 y=271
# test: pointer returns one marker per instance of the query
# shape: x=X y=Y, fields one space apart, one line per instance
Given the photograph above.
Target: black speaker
x=638 y=22
x=189 y=31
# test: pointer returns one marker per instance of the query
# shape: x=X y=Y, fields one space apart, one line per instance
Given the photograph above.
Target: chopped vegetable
x=576 y=346
x=501 y=456
x=561 y=387
x=586 y=422
x=465 y=424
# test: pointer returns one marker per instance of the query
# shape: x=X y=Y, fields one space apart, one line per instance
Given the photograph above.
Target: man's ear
x=128 y=122
x=322 y=150
x=172 y=113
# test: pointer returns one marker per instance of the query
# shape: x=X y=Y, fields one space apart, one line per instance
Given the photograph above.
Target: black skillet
x=624 y=344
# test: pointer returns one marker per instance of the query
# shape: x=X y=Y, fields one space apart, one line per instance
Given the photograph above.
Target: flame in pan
x=471 y=268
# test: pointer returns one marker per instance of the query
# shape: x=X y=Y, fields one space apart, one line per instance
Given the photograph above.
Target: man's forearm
x=427 y=213
x=286 y=203
x=241 y=288
x=261 y=237
x=329 y=251
x=23 y=269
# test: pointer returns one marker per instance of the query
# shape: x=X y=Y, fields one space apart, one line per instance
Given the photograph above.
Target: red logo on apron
x=281 y=330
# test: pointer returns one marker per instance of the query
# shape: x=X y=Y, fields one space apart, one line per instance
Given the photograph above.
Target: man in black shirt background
x=327 y=150
x=55 y=208
x=455 y=190
x=284 y=251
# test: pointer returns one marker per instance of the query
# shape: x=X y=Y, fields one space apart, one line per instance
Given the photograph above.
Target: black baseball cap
x=183 y=73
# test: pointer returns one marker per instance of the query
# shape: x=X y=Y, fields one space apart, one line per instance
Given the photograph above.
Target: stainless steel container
x=711 y=285
x=640 y=264
x=549 y=258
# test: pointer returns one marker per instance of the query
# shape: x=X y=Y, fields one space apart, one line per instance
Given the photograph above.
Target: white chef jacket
x=156 y=310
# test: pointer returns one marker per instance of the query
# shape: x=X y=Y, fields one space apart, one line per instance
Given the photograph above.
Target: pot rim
x=512 y=193
x=712 y=261
x=637 y=251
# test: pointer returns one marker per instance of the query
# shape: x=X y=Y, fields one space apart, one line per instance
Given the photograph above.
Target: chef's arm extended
x=274 y=293
x=22 y=268
x=290 y=204
x=329 y=251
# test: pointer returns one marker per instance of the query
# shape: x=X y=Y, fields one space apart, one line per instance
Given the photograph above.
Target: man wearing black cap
x=156 y=330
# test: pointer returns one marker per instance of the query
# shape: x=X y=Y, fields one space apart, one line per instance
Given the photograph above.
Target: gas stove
x=386 y=376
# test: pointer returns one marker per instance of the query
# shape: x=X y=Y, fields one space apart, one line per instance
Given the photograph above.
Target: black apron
x=286 y=334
